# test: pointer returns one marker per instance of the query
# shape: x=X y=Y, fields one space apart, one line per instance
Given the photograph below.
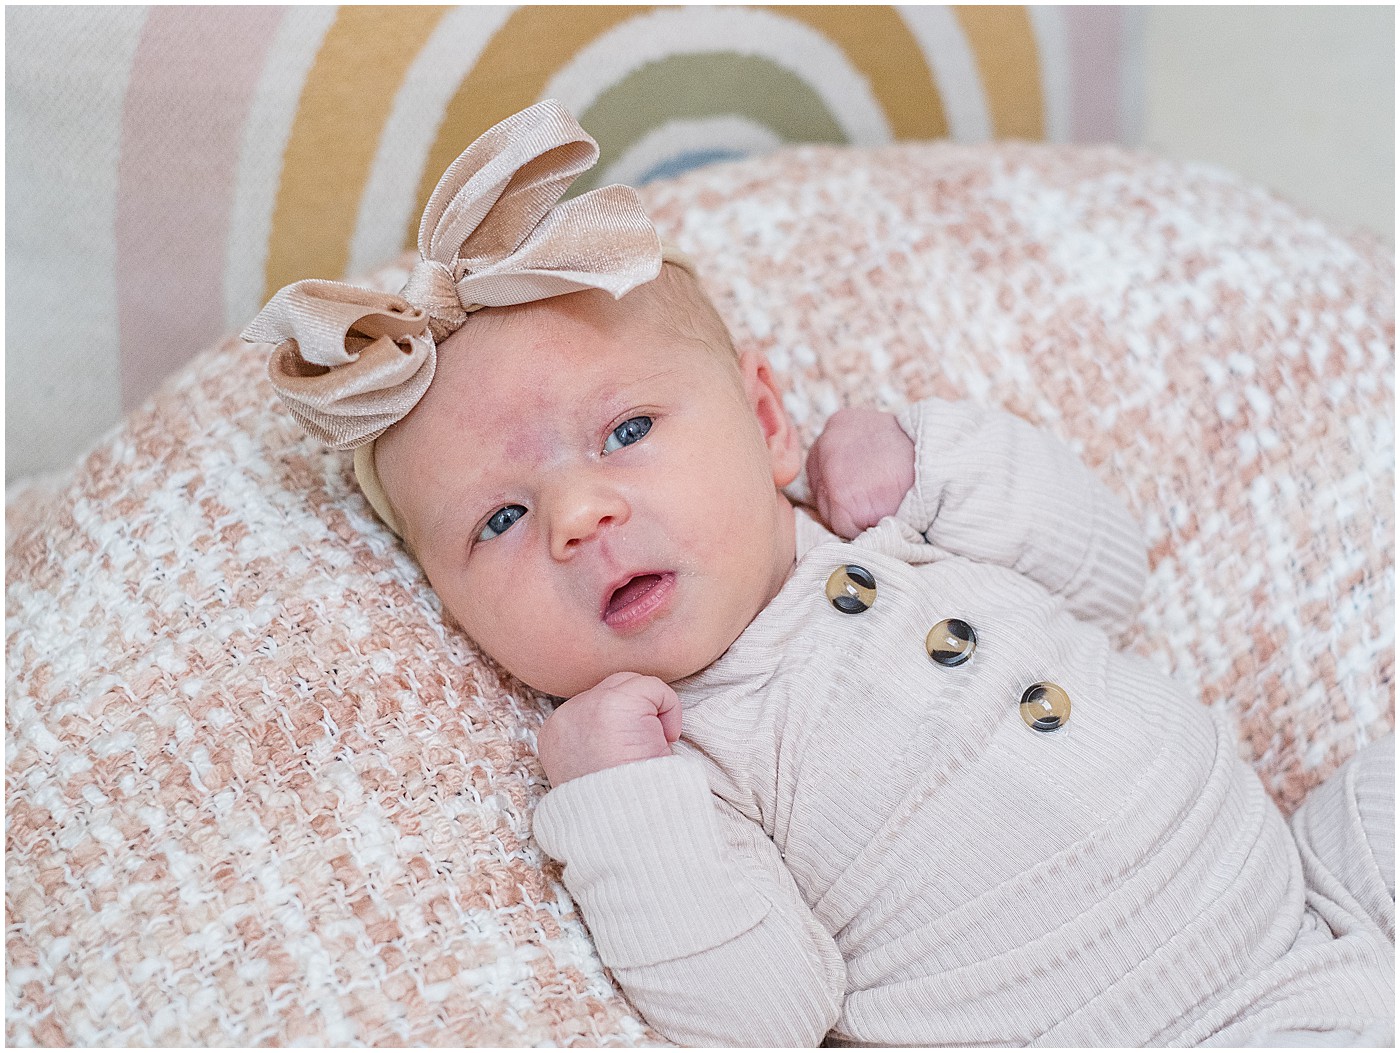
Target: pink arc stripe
x=1096 y=56
x=191 y=86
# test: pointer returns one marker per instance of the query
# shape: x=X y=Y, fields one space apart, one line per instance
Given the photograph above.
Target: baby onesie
x=922 y=800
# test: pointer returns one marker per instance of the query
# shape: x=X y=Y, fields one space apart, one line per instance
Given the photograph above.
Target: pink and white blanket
x=259 y=793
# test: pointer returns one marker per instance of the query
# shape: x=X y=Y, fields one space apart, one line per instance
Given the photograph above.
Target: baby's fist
x=859 y=469
x=628 y=717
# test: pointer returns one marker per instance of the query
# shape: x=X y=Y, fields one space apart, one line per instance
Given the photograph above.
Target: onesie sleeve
x=692 y=908
x=990 y=487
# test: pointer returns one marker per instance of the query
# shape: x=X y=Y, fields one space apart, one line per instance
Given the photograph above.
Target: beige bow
x=350 y=362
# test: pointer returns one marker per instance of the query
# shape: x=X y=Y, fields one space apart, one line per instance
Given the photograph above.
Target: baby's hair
x=688 y=310
x=676 y=296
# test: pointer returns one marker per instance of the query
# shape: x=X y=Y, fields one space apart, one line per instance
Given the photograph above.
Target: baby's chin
x=565 y=683
x=566 y=686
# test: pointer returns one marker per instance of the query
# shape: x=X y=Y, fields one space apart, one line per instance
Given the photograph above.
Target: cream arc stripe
x=881 y=47
x=954 y=67
x=1052 y=46
x=661 y=34
x=389 y=203
x=269 y=126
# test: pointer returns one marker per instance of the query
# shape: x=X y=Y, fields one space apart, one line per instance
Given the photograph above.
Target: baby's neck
x=787 y=554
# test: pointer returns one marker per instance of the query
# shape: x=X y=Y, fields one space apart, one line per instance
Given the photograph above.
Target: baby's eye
x=626 y=433
x=500 y=522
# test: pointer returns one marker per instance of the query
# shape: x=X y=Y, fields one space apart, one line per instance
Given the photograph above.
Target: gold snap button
x=951 y=642
x=1045 y=707
x=851 y=589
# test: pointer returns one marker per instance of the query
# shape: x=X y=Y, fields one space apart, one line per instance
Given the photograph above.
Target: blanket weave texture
x=259 y=793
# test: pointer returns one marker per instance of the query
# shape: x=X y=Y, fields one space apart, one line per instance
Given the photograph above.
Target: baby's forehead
x=564 y=355
x=506 y=388
x=537 y=346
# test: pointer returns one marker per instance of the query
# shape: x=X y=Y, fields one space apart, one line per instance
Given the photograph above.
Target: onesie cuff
x=932 y=425
x=645 y=859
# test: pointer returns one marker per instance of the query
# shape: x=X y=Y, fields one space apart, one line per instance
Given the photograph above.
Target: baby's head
x=590 y=479
x=594 y=485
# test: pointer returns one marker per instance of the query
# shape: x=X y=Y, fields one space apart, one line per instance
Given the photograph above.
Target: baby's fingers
x=847 y=517
x=662 y=700
x=669 y=713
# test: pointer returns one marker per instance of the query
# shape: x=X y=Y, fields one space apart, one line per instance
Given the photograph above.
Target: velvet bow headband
x=350 y=362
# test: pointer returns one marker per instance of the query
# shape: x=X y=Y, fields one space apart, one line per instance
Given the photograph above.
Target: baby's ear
x=766 y=399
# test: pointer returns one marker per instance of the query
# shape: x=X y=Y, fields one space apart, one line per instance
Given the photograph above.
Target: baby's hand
x=628 y=717
x=859 y=469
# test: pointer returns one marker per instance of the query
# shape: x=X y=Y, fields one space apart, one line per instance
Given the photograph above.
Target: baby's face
x=591 y=492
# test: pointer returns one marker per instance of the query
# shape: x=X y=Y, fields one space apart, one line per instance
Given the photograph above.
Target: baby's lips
x=629 y=588
x=610 y=591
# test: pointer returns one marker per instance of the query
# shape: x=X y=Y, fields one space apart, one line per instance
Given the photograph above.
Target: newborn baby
x=889 y=784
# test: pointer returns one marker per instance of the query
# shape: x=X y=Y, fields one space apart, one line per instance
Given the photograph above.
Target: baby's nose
x=582 y=512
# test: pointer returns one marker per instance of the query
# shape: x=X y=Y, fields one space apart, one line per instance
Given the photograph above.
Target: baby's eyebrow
x=440 y=519
x=642 y=380
x=603 y=397
x=451 y=507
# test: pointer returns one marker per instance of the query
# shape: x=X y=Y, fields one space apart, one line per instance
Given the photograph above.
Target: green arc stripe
x=693 y=87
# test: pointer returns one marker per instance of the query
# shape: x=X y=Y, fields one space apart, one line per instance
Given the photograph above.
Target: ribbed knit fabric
x=852 y=837
x=1346 y=829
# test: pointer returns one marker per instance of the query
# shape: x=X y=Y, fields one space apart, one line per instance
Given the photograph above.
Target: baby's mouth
x=637 y=597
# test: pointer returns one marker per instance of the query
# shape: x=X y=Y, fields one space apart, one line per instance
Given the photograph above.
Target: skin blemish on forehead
x=530 y=447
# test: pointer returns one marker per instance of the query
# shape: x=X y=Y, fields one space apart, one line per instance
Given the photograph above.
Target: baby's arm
x=689 y=902
x=985 y=485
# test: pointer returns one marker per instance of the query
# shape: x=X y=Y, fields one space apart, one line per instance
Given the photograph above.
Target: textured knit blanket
x=259 y=793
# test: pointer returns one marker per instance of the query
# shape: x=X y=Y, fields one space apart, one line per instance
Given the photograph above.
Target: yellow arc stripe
x=1004 y=45
x=881 y=48
x=340 y=116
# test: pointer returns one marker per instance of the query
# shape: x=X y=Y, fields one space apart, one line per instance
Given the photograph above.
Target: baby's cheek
x=487 y=621
x=542 y=648
x=458 y=615
x=736 y=506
